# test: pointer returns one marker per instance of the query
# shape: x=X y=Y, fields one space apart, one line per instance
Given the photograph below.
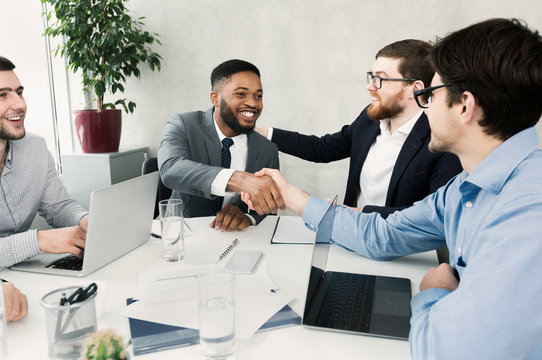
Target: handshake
x=267 y=190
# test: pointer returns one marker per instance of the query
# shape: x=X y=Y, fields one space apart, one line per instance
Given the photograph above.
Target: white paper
x=179 y=283
x=292 y=230
x=251 y=312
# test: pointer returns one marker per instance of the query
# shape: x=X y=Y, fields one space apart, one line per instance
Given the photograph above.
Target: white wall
x=313 y=55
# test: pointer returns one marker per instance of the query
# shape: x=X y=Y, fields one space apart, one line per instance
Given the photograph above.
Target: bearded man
x=208 y=158
x=390 y=164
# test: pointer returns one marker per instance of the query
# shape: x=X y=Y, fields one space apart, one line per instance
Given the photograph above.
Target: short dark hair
x=5 y=64
x=414 y=55
x=500 y=62
x=228 y=68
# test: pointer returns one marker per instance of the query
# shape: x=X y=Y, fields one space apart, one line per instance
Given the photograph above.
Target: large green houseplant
x=104 y=43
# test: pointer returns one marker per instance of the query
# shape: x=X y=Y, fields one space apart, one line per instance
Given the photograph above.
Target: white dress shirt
x=376 y=172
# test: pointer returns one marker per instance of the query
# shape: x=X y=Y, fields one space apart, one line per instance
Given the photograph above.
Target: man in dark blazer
x=387 y=143
x=207 y=158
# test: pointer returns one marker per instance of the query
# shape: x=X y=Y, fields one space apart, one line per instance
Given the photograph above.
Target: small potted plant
x=104 y=43
x=104 y=345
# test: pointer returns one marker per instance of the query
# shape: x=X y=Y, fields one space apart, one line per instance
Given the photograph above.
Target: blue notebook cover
x=148 y=336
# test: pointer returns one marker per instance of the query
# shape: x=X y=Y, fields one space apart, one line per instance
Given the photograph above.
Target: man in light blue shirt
x=482 y=106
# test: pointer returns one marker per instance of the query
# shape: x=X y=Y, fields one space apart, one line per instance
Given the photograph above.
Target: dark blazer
x=190 y=157
x=417 y=172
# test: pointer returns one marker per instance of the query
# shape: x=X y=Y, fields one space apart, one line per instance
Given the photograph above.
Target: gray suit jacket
x=190 y=157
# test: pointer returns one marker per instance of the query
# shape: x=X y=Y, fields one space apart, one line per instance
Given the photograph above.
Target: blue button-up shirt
x=491 y=220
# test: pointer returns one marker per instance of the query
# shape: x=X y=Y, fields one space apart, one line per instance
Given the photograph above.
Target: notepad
x=243 y=261
x=292 y=230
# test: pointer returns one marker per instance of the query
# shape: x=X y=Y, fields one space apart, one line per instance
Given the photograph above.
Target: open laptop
x=355 y=303
x=120 y=219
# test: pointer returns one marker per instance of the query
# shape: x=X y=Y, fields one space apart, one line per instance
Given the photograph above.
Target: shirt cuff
x=425 y=299
x=314 y=211
x=251 y=219
x=218 y=186
x=269 y=133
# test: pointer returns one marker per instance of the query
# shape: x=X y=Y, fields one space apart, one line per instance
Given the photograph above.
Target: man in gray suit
x=207 y=158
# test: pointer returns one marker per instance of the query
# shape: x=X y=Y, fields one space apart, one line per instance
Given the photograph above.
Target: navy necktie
x=226 y=155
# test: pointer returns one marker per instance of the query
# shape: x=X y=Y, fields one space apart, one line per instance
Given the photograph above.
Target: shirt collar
x=406 y=128
x=221 y=135
x=10 y=147
x=495 y=169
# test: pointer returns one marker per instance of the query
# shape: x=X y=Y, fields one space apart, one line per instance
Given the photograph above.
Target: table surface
x=288 y=266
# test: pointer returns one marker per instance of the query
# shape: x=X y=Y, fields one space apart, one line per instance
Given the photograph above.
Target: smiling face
x=12 y=107
x=388 y=101
x=238 y=102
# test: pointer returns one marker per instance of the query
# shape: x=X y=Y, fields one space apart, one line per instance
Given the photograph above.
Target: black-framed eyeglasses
x=377 y=80
x=425 y=96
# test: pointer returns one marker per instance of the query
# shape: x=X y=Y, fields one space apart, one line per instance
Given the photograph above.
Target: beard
x=5 y=135
x=228 y=116
x=386 y=110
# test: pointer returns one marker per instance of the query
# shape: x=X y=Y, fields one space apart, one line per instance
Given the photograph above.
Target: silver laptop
x=354 y=303
x=120 y=220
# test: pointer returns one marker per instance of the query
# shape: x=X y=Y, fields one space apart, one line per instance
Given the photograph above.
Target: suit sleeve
x=273 y=164
x=177 y=170
x=324 y=149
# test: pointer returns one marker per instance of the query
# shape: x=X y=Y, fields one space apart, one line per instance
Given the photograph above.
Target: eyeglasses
x=377 y=80
x=425 y=96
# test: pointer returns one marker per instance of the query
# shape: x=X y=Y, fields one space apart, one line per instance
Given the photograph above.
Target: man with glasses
x=390 y=165
x=482 y=106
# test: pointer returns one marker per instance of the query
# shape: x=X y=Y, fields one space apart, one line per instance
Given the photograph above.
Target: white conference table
x=288 y=266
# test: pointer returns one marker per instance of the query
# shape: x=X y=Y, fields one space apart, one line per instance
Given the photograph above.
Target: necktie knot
x=226 y=155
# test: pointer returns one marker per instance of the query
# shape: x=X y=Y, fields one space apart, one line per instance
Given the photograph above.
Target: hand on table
x=16 y=305
x=440 y=277
x=231 y=218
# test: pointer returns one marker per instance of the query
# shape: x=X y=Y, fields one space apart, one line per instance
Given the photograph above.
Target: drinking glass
x=216 y=296
x=171 y=221
x=3 y=326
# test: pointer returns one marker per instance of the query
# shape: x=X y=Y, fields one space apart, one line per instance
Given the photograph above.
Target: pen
x=228 y=249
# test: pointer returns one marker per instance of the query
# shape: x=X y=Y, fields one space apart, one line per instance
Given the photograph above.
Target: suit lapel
x=362 y=149
x=412 y=145
x=212 y=142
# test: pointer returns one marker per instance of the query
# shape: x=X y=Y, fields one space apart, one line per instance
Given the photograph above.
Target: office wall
x=313 y=56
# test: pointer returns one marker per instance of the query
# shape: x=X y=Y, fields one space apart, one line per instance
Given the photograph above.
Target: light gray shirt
x=29 y=184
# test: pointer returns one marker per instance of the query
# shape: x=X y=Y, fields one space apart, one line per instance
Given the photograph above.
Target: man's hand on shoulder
x=231 y=218
x=262 y=130
x=264 y=192
x=16 y=305
x=63 y=240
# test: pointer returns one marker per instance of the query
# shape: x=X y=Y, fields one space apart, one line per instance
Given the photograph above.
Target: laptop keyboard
x=348 y=302
x=70 y=262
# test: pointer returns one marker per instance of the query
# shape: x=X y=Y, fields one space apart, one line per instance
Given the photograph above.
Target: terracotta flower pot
x=98 y=131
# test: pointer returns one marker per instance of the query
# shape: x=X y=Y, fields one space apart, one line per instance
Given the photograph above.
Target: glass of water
x=216 y=296
x=171 y=221
x=3 y=326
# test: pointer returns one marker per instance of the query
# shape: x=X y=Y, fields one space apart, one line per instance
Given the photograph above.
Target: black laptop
x=355 y=303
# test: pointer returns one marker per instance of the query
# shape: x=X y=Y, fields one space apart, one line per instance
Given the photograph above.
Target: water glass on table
x=3 y=326
x=216 y=302
x=171 y=222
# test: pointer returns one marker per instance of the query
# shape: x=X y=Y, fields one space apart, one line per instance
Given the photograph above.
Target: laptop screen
x=321 y=249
